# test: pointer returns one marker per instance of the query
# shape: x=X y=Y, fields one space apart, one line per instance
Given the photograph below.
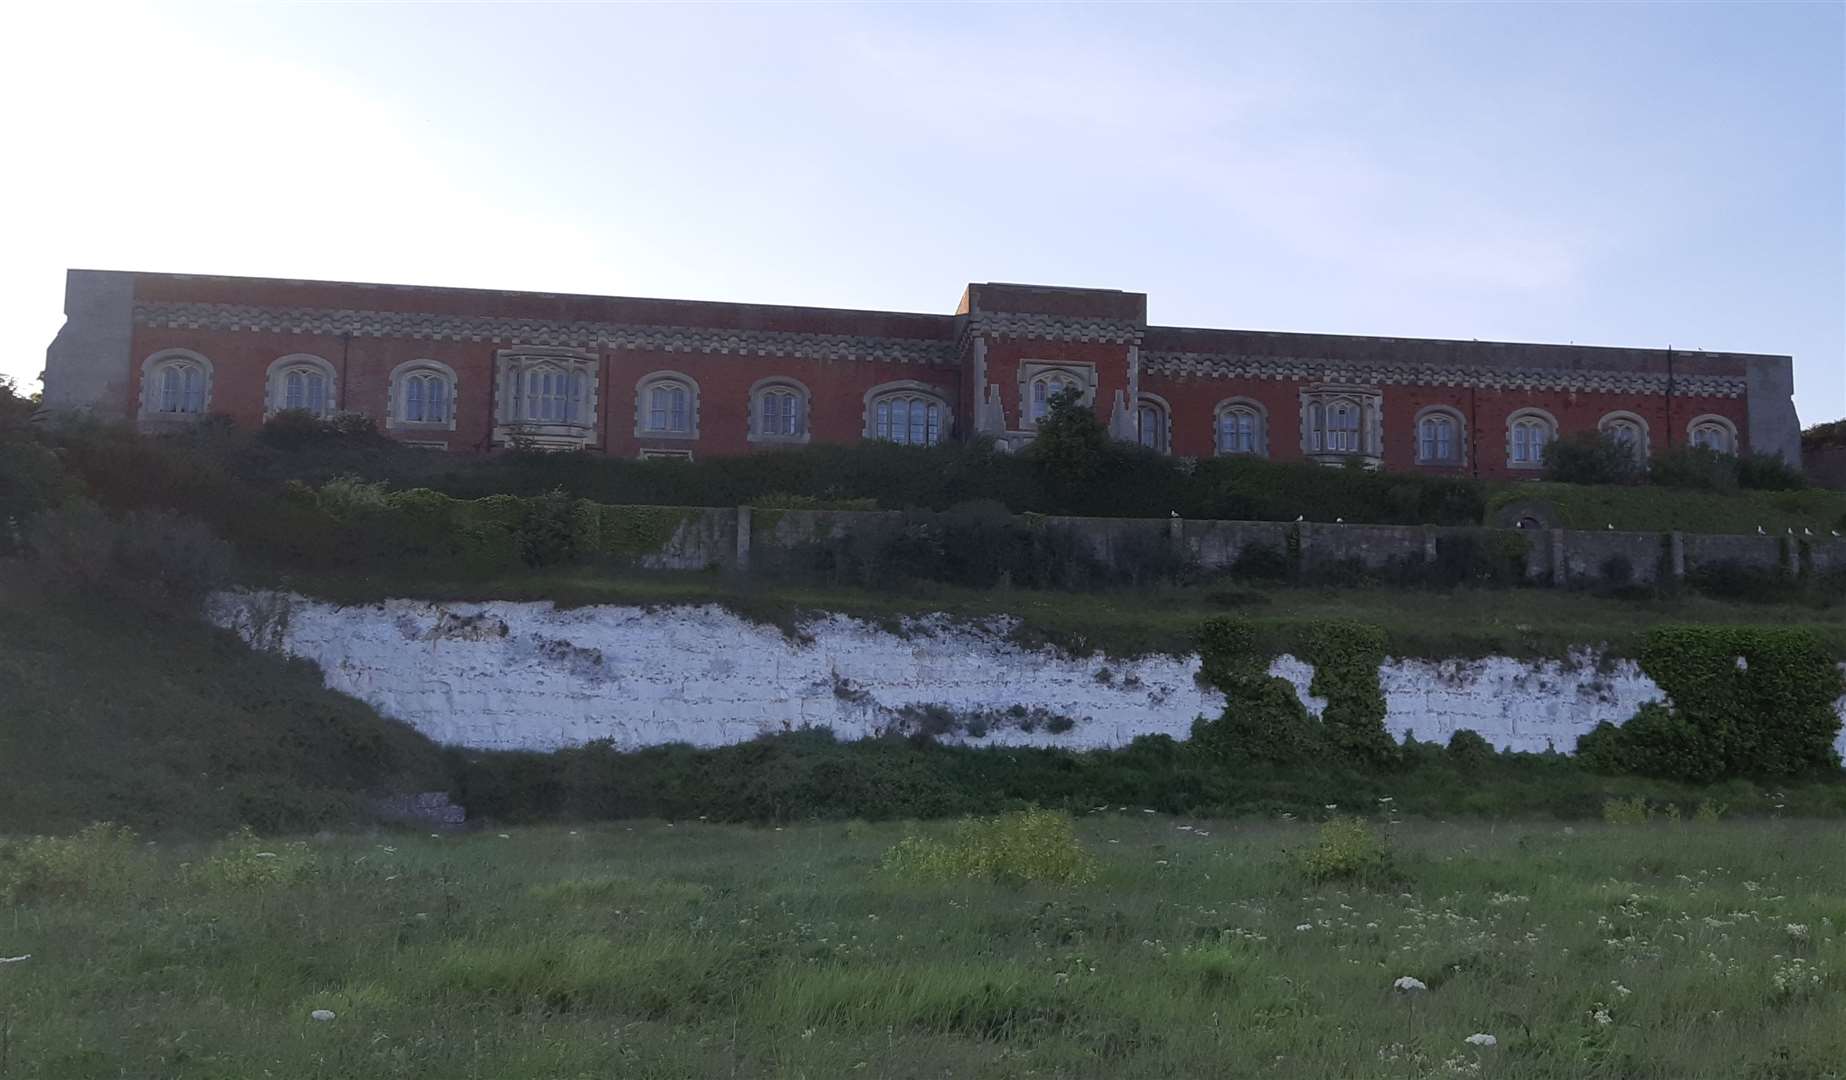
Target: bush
x=1492 y=557
x=1346 y=849
x=1768 y=472
x=153 y=557
x=1590 y=458
x=1698 y=468
x=102 y=860
x=245 y=862
x=1744 y=702
x=1469 y=752
x=1031 y=846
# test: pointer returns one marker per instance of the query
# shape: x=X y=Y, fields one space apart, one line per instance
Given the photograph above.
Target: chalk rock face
x=504 y=675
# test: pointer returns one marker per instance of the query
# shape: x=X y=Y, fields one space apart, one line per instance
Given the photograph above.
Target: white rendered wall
x=528 y=676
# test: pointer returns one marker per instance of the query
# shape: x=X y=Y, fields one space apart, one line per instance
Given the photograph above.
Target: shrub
x=1697 y=468
x=154 y=557
x=102 y=860
x=1495 y=557
x=1745 y=702
x=1629 y=811
x=245 y=862
x=1015 y=849
x=1346 y=849
x=1768 y=472
x=1468 y=751
x=1590 y=458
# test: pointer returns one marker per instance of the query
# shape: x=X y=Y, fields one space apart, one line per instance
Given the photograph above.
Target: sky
x=1636 y=174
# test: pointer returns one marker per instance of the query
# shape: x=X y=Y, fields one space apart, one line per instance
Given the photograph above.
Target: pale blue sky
x=1637 y=175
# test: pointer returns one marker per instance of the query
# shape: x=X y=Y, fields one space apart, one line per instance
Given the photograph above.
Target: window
x=1713 y=433
x=182 y=389
x=1151 y=426
x=778 y=410
x=1240 y=427
x=1334 y=427
x=175 y=386
x=908 y=413
x=1529 y=431
x=551 y=395
x=422 y=396
x=1340 y=422
x=302 y=382
x=667 y=406
x=1628 y=431
x=1439 y=436
x=545 y=397
x=1046 y=387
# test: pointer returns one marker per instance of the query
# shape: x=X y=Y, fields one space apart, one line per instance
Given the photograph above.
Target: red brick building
x=468 y=369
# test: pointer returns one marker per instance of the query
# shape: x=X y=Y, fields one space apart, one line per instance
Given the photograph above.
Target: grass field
x=1197 y=949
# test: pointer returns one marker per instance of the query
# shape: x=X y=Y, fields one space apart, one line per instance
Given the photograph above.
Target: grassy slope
x=1461 y=623
x=1656 y=509
x=114 y=715
x=661 y=951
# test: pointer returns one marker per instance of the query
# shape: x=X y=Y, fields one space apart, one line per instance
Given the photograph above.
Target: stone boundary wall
x=766 y=539
x=504 y=676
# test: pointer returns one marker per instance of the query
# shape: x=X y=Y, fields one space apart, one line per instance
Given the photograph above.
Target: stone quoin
x=474 y=369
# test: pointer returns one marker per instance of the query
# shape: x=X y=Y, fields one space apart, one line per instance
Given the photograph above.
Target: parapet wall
x=771 y=539
x=508 y=676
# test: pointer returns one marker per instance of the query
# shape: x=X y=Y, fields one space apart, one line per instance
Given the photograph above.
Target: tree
x=1072 y=444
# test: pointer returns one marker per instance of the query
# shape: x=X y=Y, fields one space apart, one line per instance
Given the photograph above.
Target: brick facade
x=633 y=377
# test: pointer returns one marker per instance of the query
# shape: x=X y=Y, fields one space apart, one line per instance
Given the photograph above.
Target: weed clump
x=102 y=860
x=246 y=863
x=1346 y=849
x=1013 y=849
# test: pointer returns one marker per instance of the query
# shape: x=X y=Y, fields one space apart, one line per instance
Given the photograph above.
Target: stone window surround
x=511 y=365
x=1164 y=443
x=1249 y=405
x=275 y=388
x=1530 y=412
x=1369 y=400
x=754 y=410
x=1724 y=423
x=1082 y=372
x=394 y=399
x=907 y=388
x=1460 y=460
x=646 y=383
x=150 y=393
x=1646 y=445
x=656 y=454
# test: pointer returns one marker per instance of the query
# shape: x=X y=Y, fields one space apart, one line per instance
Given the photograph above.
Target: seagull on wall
x=1760 y=531
x=1339 y=521
x=1611 y=525
x=1175 y=513
x=1805 y=531
x=1298 y=519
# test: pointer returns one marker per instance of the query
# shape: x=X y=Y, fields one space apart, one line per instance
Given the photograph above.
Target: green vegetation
x=1742 y=702
x=1654 y=951
x=128 y=714
x=1660 y=509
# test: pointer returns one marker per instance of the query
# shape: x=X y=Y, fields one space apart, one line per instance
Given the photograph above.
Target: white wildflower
x=1305 y=927
x=1798 y=932
x=504 y=836
x=1481 y=1038
x=1620 y=989
x=1409 y=983
x=323 y=1015
x=15 y=959
x=265 y=855
x=1602 y=1017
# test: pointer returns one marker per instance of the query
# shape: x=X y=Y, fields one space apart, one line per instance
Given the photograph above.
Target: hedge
x=1640 y=508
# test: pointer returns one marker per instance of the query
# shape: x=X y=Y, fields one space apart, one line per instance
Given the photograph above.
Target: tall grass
x=1652 y=950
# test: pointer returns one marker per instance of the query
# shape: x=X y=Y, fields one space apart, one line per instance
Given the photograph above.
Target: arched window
x=175 y=385
x=667 y=406
x=422 y=395
x=1439 y=436
x=1335 y=427
x=1151 y=423
x=778 y=410
x=1712 y=433
x=908 y=413
x=1048 y=386
x=1628 y=430
x=548 y=394
x=1240 y=426
x=1528 y=432
x=304 y=383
